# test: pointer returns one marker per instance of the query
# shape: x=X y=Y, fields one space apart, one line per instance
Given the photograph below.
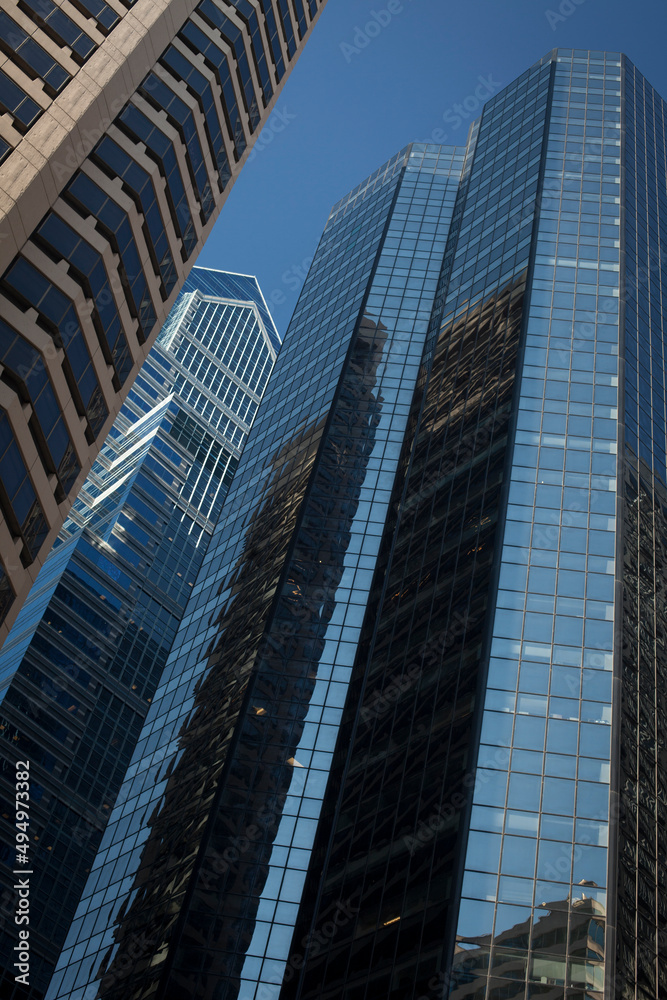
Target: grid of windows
x=642 y=850
x=534 y=890
x=80 y=668
x=389 y=839
x=59 y=26
x=139 y=185
x=29 y=55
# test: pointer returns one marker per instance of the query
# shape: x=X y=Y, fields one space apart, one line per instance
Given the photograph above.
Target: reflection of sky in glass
x=546 y=722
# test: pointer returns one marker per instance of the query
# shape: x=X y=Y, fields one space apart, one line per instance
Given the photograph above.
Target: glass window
x=138 y=183
x=106 y=17
x=163 y=98
x=62 y=27
x=17 y=103
x=27 y=53
x=142 y=129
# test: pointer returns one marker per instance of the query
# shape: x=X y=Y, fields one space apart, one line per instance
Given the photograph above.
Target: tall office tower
x=82 y=662
x=409 y=742
x=124 y=127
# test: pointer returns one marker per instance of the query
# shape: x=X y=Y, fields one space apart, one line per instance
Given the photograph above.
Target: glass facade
x=82 y=663
x=641 y=802
x=534 y=886
x=417 y=699
x=247 y=713
x=104 y=254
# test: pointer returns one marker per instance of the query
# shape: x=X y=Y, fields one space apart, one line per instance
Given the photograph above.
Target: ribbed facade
x=125 y=126
x=82 y=662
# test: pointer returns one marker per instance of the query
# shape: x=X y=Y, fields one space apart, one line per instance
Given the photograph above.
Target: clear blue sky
x=344 y=112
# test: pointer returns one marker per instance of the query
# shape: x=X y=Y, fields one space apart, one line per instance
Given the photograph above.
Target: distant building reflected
x=225 y=796
x=530 y=959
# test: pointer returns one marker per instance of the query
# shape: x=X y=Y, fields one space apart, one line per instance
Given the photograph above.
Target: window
x=104 y=15
x=142 y=129
x=25 y=51
x=17 y=103
x=116 y=227
x=163 y=99
x=61 y=27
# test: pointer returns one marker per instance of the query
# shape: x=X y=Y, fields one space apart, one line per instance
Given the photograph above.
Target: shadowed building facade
x=125 y=125
x=81 y=664
x=441 y=773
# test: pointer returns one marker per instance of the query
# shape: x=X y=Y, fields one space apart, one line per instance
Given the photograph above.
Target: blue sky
x=349 y=106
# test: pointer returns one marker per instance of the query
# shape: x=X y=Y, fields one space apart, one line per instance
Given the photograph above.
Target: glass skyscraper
x=409 y=742
x=81 y=665
x=124 y=126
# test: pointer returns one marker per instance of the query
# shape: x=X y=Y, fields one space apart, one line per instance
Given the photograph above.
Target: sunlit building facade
x=82 y=662
x=124 y=126
x=417 y=699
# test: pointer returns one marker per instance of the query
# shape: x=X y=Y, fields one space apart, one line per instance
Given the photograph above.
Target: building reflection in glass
x=565 y=940
x=389 y=839
x=224 y=799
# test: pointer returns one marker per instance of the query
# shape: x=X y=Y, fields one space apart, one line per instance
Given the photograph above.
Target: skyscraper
x=81 y=664
x=417 y=698
x=125 y=126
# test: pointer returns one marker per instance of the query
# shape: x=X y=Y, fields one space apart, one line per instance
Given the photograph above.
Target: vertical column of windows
x=274 y=41
x=114 y=224
x=160 y=148
x=86 y=266
x=287 y=26
x=24 y=371
x=300 y=17
x=137 y=182
x=246 y=9
x=22 y=509
x=199 y=86
x=58 y=315
x=211 y=13
x=180 y=116
x=200 y=43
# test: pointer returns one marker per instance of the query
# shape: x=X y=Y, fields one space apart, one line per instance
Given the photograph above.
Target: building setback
x=82 y=662
x=409 y=742
x=124 y=127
